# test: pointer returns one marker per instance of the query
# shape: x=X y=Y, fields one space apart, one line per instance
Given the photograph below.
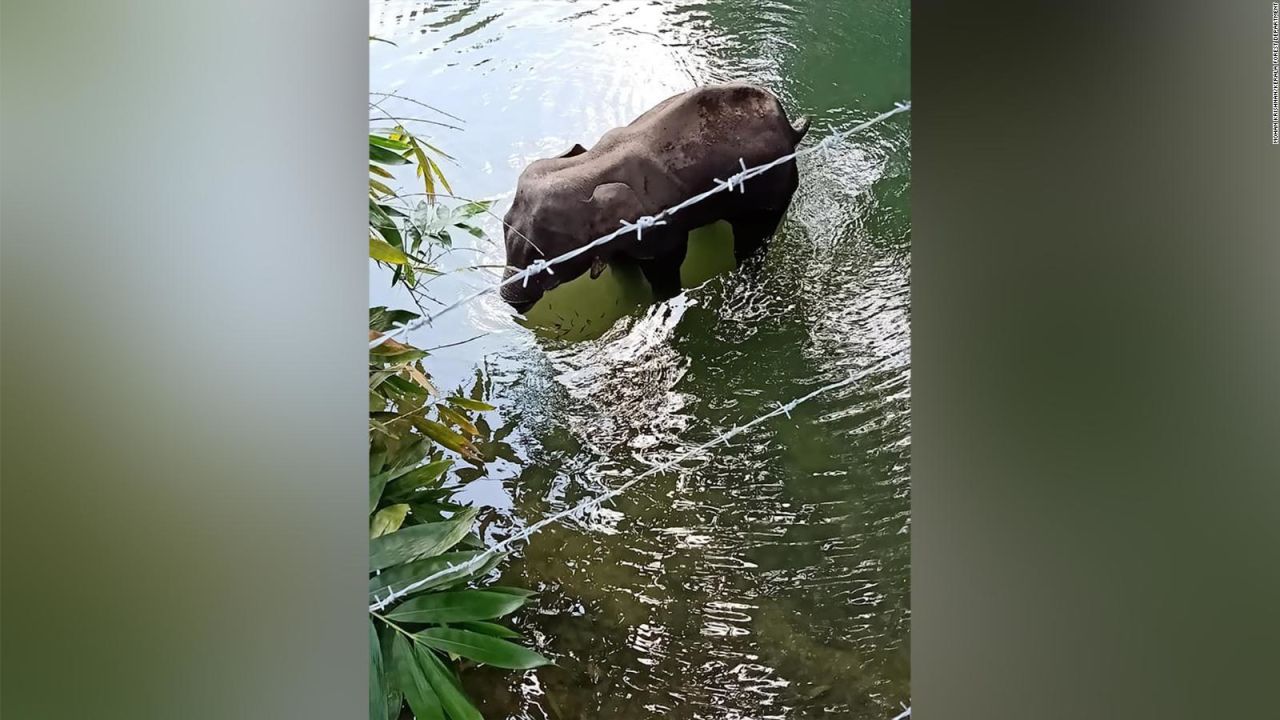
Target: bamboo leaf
x=472 y=209
x=439 y=174
x=384 y=156
x=388 y=143
x=428 y=475
x=396 y=355
x=414 y=543
x=488 y=628
x=387 y=520
x=394 y=698
x=421 y=379
x=383 y=251
x=377 y=689
x=376 y=484
x=382 y=319
x=456 y=606
x=521 y=592
x=446 y=437
x=400 y=576
x=453 y=417
x=424 y=166
x=455 y=702
x=470 y=404
x=481 y=648
x=413 y=682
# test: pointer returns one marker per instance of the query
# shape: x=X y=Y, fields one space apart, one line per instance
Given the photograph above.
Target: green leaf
x=381 y=224
x=376 y=484
x=457 y=419
x=377 y=688
x=424 y=169
x=519 y=592
x=414 y=543
x=448 y=607
x=447 y=689
x=470 y=404
x=413 y=682
x=381 y=172
x=429 y=505
x=393 y=697
x=388 y=143
x=439 y=175
x=481 y=648
x=384 y=156
x=494 y=561
x=425 y=476
x=383 y=251
x=382 y=319
x=377 y=458
x=398 y=577
x=382 y=188
x=389 y=519
x=391 y=354
x=472 y=209
x=446 y=437
x=406 y=454
x=377 y=378
x=488 y=628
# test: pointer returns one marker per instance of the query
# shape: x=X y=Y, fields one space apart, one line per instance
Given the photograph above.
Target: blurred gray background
x=1094 y=266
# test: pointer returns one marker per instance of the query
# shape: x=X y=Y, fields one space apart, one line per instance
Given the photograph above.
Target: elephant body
x=670 y=153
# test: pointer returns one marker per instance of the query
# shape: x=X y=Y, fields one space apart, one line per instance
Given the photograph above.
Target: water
x=771 y=578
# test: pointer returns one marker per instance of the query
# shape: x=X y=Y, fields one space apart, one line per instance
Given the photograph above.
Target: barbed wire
x=460 y=570
x=640 y=224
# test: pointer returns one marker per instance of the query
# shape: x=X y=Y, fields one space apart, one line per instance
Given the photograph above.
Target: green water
x=770 y=579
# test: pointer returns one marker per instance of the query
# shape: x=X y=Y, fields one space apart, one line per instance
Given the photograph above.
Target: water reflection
x=770 y=577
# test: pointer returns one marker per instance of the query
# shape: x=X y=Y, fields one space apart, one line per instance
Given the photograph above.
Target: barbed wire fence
x=453 y=573
x=462 y=569
x=639 y=225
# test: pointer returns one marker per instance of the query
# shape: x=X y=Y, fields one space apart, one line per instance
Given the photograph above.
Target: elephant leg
x=751 y=230
x=761 y=217
x=663 y=271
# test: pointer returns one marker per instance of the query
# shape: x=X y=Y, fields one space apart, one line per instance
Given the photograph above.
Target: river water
x=771 y=577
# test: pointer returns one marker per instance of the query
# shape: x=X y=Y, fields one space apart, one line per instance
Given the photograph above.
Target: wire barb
x=534 y=268
x=738 y=179
x=641 y=224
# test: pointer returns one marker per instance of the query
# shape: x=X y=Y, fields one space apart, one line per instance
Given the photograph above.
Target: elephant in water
x=670 y=153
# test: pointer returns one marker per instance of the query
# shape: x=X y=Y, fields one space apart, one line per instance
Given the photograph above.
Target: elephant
x=677 y=149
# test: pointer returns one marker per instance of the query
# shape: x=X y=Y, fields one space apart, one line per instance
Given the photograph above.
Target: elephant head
x=553 y=214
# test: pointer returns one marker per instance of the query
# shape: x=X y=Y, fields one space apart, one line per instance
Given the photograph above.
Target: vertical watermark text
x=1275 y=73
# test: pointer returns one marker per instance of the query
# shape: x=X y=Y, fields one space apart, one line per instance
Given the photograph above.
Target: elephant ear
x=611 y=205
x=572 y=152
